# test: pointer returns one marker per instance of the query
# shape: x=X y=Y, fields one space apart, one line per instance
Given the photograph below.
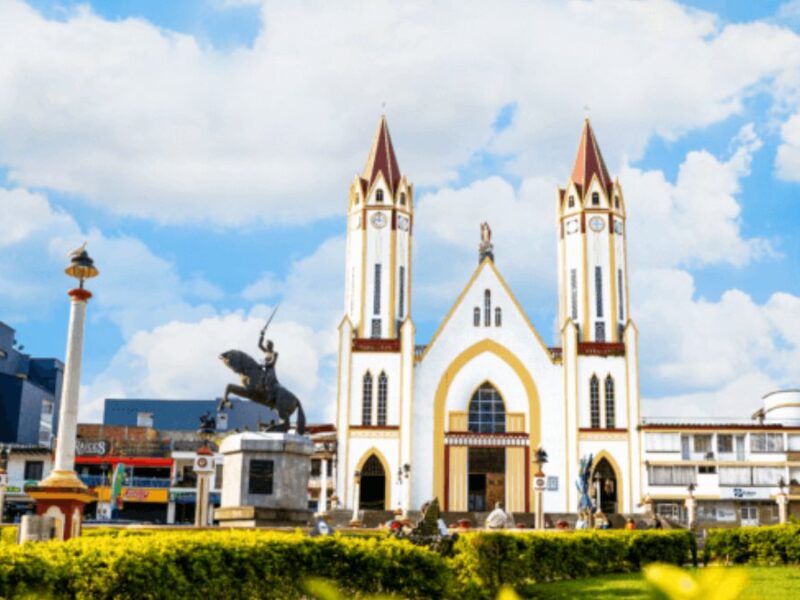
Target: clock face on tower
x=618 y=227
x=378 y=220
x=597 y=223
x=572 y=225
x=402 y=223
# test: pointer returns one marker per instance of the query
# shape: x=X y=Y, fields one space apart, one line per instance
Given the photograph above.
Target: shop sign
x=132 y=494
x=91 y=447
x=738 y=493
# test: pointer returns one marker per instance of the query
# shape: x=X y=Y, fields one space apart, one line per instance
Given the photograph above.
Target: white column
x=407 y=493
x=201 y=498
x=783 y=500
x=323 y=490
x=171 y=513
x=68 y=413
x=356 y=493
x=691 y=510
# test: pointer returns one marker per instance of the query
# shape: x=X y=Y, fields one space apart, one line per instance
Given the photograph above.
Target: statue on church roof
x=486 y=248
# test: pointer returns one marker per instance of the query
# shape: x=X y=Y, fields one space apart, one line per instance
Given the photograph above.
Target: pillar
x=355 y=521
x=691 y=510
x=407 y=491
x=783 y=502
x=62 y=494
x=171 y=513
x=323 y=490
x=204 y=469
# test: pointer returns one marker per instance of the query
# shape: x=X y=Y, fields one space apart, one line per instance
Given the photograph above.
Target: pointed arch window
x=487 y=308
x=366 y=399
x=379 y=196
x=487 y=412
x=594 y=401
x=611 y=422
x=476 y=317
x=595 y=199
x=498 y=317
x=383 y=384
x=571 y=201
x=616 y=201
x=402 y=198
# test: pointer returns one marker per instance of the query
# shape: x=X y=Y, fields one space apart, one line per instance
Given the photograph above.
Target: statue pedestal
x=265 y=480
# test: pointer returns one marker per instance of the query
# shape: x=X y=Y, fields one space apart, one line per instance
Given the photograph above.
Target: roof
x=589 y=161
x=184 y=415
x=382 y=158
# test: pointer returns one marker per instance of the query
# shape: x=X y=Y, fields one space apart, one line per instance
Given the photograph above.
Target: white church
x=461 y=418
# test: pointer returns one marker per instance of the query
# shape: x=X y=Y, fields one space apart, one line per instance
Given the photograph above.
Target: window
x=768 y=476
x=571 y=201
x=376 y=297
x=766 y=442
x=402 y=198
x=402 y=300
x=487 y=413
x=218 y=476
x=379 y=196
x=573 y=292
x=616 y=201
x=671 y=475
x=487 y=308
x=316 y=465
x=47 y=407
x=598 y=290
x=261 y=472
x=382 y=392
x=599 y=331
x=702 y=443
x=594 y=401
x=34 y=470
x=620 y=295
x=735 y=476
x=144 y=419
x=610 y=416
x=498 y=317
x=595 y=199
x=706 y=469
x=366 y=399
x=621 y=332
x=376 y=328
x=662 y=442
x=670 y=510
x=724 y=443
x=476 y=317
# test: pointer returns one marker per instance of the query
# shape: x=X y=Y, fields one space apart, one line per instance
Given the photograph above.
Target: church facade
x=461 y=418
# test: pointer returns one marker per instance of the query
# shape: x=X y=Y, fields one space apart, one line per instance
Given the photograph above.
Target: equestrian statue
x=260 y=384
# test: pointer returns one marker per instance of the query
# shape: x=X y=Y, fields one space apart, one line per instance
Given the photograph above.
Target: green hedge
x=776 y=544
x=140 y=563
x=224 y=564
x=486 y=561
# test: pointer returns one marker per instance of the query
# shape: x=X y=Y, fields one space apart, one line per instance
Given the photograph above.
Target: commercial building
x=30 y=389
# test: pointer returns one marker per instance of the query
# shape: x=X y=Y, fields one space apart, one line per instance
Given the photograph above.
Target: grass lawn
x=778 y=583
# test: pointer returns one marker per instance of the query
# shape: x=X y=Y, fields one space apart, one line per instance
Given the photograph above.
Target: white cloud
x=787 y=160
x=145 y=122
x=179 y=360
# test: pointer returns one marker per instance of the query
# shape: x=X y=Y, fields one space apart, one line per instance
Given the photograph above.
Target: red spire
x=382 y=159
x=589 y=161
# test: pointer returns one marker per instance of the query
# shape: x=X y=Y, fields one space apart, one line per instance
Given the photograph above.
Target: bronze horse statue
x=256 y=388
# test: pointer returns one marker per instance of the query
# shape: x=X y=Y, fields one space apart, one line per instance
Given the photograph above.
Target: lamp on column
x=539 y=485
x=62 y=495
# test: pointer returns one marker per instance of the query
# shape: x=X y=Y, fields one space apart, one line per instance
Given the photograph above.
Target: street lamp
x=203 y=468
x=62 y=495
x=355 y=521
x=539 y=485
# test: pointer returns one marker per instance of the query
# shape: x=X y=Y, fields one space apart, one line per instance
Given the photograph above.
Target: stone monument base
x=265 y=480
x=256 y=516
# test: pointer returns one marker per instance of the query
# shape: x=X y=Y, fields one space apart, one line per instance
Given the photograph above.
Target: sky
x=204 y=150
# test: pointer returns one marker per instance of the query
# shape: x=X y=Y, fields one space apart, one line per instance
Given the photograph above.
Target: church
x=461 y=417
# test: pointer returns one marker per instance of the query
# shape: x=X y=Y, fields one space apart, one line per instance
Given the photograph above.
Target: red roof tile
x=589 y=161
x=382 y=159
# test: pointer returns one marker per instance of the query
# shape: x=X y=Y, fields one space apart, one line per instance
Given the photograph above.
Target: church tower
x=376 y=336
x=380 y=208
x=593 y=277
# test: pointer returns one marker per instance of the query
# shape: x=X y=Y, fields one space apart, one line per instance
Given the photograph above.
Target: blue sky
x=205 y=150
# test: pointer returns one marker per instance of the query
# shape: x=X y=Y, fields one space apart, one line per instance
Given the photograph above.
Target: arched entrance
x=604 y=484
x=486 y=466
x=373 y=485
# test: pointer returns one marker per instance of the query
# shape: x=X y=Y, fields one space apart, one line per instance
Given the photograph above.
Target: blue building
x=184 y=415
x=30 y=393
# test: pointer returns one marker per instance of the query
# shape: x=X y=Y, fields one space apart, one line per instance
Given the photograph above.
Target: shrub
x=211 y=564
x=776 y=544
x=8 y=534
x=484 y=562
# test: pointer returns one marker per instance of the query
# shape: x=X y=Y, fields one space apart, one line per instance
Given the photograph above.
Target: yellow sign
x=135 y=494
